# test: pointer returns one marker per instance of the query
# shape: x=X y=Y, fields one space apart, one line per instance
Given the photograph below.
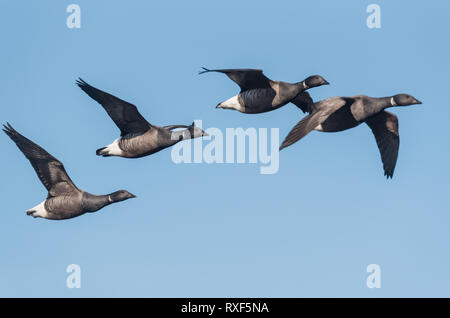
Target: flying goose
x=340 y=113
x=64 y=200
x=259 y=94
x=138 y=137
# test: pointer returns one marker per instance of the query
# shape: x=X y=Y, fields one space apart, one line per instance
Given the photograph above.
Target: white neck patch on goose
x=393 y=103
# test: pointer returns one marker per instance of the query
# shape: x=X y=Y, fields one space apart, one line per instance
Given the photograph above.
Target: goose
x=259 y=94
x=64 y=200
x=340 y=113
x=138 y=137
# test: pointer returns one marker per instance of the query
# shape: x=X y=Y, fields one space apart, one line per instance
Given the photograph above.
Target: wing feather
x=320 y=112
x=384 y=126
x=246 y=78
x=125 y=115
x=50 y=170
x=303 y=101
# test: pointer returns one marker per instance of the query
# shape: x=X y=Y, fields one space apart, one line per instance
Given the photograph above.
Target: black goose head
x=404 y=100
x=314 y=81
x=196 y=132
x=121 y=195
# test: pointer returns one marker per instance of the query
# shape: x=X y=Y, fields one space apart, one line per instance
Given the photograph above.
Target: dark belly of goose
x=258 y=100
x=340 y=120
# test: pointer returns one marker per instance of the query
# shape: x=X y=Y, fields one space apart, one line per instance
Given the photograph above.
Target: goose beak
x=205 y=134
x=326 y=83
x=132 y=196
x=417 y=101
x=219 y=105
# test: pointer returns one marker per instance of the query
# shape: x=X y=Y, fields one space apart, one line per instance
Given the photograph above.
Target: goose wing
x=171 y=127
x=303 y=101
x=50 y=170
x=384 y=126
x=246 y=78
x=125 y=115
x=321 y=111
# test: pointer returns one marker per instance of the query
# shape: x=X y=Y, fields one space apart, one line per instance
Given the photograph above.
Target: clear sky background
x=224 y=230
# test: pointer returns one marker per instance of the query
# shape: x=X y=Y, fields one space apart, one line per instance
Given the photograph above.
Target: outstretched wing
x=322 y=110
x=50 y=170
x=125 y=115
x=385 y=129
x=303 y=101
x=171 y=127
x=246 y=78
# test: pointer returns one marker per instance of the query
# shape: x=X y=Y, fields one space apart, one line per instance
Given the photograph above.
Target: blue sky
x=224 y=230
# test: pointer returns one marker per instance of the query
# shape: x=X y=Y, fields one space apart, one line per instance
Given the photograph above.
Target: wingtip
x=285 y=144
x=204 y=70
x=8 y=128
x=80 y=82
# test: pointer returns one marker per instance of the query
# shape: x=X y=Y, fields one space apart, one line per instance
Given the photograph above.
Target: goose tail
x=102 y=152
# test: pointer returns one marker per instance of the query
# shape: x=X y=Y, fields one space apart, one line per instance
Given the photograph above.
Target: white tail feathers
x=111 y=150
x=39 y=211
